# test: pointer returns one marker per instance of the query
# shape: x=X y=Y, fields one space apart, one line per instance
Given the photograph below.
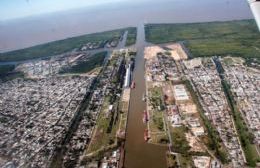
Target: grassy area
x=131 y=37
x=12 y=76
x=159 y=138
x=185 y=160
x=179 y=142
x=123 y=122
x=235 y=38
x=155 y=99
x=156 y=123
x=181 y=146
x=123 y=106
x=245 y=136
x=171 y=161
x=233 y=60
x=93 y=62
x=102 y=138
x=213 y=141
x=58 y=47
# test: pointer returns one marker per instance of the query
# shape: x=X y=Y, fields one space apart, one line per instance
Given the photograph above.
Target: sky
x=12 y=9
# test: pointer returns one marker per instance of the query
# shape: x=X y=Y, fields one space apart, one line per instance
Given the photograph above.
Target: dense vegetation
x=86 y=66
x=7 y=72
x=131 y=37
x=4 y=69
x=59 y=47
x=180 y=144
x=236 y=38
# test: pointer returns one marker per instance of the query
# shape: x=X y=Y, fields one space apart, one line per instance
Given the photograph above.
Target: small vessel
x=144 y=99
x=133 y=85
x=146 y=136
x=122 y=156
x=145 y=117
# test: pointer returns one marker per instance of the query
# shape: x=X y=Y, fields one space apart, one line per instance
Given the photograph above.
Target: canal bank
x=138 y=153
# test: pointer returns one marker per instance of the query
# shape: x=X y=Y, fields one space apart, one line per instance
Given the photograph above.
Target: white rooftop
x=180 y=93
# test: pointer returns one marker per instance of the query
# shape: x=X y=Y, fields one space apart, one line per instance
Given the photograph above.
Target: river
x=140 y=154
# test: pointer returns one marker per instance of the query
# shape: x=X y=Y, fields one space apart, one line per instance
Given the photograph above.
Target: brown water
x=27 y=32
x=140 y=154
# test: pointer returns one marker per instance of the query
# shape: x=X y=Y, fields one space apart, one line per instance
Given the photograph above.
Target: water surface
x=21 y=33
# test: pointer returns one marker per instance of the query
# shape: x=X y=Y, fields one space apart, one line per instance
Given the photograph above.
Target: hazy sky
x=22 y=33
x=10 y=9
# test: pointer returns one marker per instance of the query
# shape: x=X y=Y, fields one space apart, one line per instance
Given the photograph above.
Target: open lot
x=94 y=61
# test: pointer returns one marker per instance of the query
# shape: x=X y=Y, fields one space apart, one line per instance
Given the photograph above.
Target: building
x=198 y=131
x=201 y=161
x=190 y=64
x=128 y=77
x=180 y=93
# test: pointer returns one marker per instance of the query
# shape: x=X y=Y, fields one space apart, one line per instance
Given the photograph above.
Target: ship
x=145 y=117
x=133 y=85
x=122 y=156
x=146 y=136
x=144 y=99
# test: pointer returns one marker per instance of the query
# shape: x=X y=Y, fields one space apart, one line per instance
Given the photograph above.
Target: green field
x=180 y=144
x=59 y=47
x=83 y=67
x=171 y=161
x=131 y=37
x=155 y=99
x=7 y=72
x=103 y=139
x=235 y=38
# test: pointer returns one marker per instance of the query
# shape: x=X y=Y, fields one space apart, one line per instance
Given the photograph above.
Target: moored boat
x=144 y=99
x=133 y=85
x=146 y=136
x=145 y=117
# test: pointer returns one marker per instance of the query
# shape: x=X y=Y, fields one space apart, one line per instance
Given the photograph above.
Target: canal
x=140 y=154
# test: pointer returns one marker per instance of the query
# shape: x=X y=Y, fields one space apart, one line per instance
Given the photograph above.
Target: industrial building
x=128 y=76
x=180 y=93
